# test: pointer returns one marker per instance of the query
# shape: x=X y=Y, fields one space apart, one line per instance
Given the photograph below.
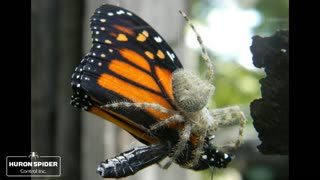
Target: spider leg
x=174 y=118
x=204 y=52
x=139 y=105
x=199 y=148
x=184 y=137
x=227 y=115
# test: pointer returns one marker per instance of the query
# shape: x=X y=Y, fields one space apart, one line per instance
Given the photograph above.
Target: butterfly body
x=132 y=78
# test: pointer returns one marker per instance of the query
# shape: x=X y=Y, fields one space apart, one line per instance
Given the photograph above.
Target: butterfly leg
x=227 y=115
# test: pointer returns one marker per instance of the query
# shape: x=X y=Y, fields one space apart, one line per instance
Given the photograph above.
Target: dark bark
x=271 y=113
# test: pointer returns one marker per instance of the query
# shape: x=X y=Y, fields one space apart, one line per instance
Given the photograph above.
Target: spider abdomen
x=190 y=92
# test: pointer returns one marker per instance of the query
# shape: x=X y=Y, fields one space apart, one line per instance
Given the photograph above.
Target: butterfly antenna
x=204 y=52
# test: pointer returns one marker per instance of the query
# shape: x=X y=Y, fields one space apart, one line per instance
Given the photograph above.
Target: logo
x=33 y=166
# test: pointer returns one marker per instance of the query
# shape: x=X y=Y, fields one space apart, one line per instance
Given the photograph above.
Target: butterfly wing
x=129 y=61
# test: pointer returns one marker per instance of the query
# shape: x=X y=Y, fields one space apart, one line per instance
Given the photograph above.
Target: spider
x=191 y=96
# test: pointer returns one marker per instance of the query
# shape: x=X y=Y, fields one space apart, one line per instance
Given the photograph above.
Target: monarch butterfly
x=132 y=78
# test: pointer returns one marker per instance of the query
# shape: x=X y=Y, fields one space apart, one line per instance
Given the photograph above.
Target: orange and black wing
x=129 y=61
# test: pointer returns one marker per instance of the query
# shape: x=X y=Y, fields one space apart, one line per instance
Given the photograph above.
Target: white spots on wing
x=204 y=156
x=120 y=12
x=283 y=50
x=93 y=54
x=225 y=156
x=158 y=39
x=121 y=158
x=103 y=20
x=78 y=85
x=171 y=55
x=98 y=12
x=98 y=46
x=97 y=32
x=94 y=27
x=96 y=39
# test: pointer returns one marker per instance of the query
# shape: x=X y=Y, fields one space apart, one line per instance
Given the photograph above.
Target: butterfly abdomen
x=129 y=162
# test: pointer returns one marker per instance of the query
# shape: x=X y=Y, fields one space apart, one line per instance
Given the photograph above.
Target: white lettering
x=30 y=171
x=45 y=164
x=42 y=171
x=20 y=164
x=34 y=164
